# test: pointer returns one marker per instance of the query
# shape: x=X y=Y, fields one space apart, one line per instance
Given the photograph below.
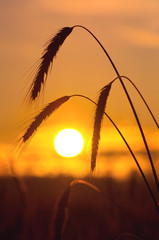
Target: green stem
x=131 y=104
x=129 y=148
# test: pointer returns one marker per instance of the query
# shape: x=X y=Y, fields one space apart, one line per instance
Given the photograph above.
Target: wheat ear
x=97 y=122
x=45 y=113
x=46 y=60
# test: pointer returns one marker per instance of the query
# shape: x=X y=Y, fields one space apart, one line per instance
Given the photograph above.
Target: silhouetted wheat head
x=46 y=60
x=45 y=113
x=97 y=122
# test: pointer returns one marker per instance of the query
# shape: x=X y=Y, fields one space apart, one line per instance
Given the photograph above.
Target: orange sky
x=129 y=30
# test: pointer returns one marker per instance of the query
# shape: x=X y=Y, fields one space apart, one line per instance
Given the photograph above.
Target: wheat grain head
x=46 y=60
x=97 y=122
x=43 y=115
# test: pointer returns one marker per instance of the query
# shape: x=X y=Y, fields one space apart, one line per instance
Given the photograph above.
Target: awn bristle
x=46 y=60
x=45 y=113
x=97 y=122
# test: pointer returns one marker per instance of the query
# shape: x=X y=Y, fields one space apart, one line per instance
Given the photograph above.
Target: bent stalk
x=152 y=115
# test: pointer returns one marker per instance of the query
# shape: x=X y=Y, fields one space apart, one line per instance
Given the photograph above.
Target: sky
x=129 y=30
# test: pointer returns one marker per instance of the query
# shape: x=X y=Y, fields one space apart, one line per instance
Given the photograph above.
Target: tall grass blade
x=97 y=122
x=45 y=113
x=46 y=60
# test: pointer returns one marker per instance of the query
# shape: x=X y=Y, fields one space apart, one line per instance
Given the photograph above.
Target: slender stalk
x=129 y=148
x=143 y=100
x=152 y=115
x=131 y=104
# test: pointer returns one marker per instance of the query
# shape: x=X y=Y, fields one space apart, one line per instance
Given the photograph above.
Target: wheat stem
x=152 y=115
x=131 y=104
x=148 y=108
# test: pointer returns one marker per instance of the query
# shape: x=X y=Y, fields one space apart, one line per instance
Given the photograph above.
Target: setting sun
x=68 y=143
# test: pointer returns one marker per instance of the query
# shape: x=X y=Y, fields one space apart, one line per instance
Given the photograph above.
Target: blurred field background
x=136 y=214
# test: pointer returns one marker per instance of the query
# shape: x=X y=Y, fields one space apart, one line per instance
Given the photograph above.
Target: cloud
x=101 y=6
x=140 y=37
x=135 y=21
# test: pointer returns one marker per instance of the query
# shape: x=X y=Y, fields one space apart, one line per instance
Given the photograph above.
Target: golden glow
x=68 y=143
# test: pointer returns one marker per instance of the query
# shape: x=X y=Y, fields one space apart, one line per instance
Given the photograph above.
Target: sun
x=68 y=142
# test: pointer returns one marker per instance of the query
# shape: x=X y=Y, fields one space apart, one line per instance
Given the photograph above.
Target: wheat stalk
x=141 y=96
x=46 y=60
x=143 y=99
x=44 y=114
